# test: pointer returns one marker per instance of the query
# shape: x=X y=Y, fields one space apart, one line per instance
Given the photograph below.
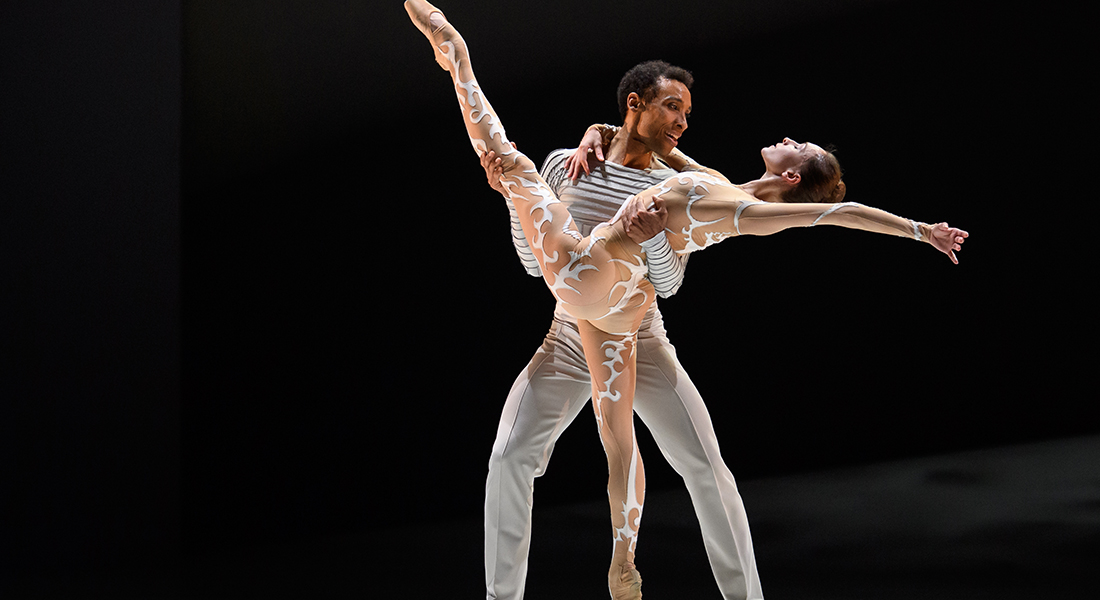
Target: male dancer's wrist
x=653 y=243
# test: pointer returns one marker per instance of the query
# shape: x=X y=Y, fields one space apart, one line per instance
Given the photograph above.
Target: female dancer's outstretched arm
x=703 y=210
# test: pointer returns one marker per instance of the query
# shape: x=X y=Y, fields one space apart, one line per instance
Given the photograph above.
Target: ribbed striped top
x=594 y=199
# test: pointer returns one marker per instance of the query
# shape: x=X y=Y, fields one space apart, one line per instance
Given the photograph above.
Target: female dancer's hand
x=494 y=170
x=592 y=142
x=947 y=239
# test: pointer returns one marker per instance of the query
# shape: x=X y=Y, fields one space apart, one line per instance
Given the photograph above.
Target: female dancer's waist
x=652 y=321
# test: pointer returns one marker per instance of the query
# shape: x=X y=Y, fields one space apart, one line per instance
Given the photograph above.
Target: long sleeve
x=666 y=268
x=523 y=249
x=553 y=173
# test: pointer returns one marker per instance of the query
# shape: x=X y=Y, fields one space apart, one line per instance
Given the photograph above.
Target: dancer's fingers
x=576 y=163
x=630 y=211
x=494 y=169
x=571 y=168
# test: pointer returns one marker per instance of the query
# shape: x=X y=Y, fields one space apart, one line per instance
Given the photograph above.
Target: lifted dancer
x=600 y=278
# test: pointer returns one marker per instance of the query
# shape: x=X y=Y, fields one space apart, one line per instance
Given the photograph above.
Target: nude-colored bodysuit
x=601 y=279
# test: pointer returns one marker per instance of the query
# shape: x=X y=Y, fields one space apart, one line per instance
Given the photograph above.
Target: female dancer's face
x=664 y=118
x=788 y=155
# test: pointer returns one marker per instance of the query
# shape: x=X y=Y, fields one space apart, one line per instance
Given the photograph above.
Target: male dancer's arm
x=599 y=136
x=666 y=268
x=646 y=228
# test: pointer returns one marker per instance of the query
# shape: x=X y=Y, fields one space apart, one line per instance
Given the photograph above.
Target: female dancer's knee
x=516 y=164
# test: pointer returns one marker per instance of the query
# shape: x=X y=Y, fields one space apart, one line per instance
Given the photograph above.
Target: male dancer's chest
x=596 y=198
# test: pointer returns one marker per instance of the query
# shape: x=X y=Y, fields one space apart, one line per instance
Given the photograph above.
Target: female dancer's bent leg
x=600 y=280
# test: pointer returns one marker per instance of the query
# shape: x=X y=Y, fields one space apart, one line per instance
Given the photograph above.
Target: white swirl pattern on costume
x=546 y=198
x=468 y=93
x=614 y=352
x=696 y=192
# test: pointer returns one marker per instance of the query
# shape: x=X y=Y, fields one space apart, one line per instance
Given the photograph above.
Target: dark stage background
x=262 y=293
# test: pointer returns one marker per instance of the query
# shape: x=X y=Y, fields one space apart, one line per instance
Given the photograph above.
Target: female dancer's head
x=811 y=172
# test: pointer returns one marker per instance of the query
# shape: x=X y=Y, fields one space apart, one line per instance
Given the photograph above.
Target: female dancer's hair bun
x=822 y=180
x=837 y=195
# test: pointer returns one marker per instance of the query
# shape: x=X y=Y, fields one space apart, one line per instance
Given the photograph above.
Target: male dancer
x=551 y=391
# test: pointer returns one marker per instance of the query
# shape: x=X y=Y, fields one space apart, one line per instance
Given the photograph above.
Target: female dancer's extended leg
x=581 y=272
x=607 y=293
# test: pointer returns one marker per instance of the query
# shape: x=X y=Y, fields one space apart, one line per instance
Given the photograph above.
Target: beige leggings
x=600 y=279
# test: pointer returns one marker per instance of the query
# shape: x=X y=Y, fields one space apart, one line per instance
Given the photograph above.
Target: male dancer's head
x=654 y=102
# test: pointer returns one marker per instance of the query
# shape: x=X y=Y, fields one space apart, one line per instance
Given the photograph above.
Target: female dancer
x=600 y=279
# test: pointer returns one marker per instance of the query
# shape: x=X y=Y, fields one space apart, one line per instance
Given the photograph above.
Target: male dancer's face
x=663 y=119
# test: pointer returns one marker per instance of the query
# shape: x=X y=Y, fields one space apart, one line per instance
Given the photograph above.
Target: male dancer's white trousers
x=545 y=399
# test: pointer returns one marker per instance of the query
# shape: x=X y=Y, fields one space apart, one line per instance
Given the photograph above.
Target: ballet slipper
x=430 y=21
x=625 y=585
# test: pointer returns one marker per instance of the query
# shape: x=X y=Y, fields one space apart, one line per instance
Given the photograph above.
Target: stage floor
x=1004 y=523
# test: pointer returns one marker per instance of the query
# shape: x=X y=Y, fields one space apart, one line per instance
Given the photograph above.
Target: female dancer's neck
x=768 y=188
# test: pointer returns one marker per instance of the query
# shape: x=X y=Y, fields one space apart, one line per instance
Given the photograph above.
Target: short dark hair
x=644 y=78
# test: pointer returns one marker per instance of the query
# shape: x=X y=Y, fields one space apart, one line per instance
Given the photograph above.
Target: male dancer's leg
x=671 y=407
x=543 y=401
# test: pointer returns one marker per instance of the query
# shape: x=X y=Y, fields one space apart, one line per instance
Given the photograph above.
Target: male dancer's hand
x=642 y=224
x=494 y=170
